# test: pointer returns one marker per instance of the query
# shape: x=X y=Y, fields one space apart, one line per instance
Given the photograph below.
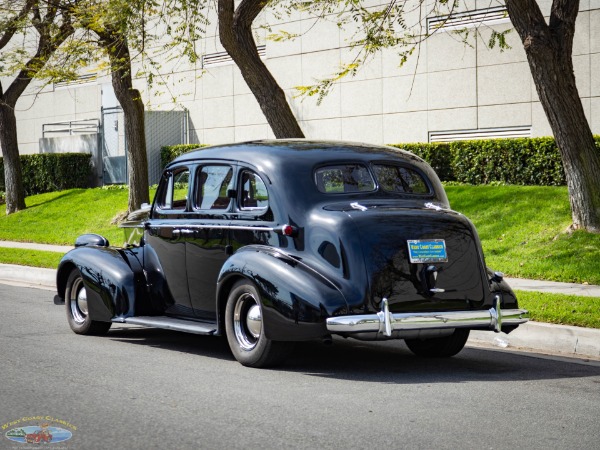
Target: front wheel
x=441 y=347
x=76 y=302
x=245 y=329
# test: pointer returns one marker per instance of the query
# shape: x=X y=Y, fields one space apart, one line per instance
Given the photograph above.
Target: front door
x=166 y=242
x=207 y=239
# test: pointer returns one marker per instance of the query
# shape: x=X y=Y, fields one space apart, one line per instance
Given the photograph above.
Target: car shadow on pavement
x=380 y=362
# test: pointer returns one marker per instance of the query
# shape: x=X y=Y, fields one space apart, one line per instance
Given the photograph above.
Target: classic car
x=273 y=242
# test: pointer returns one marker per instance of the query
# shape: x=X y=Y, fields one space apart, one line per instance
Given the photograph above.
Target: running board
x=170 y=323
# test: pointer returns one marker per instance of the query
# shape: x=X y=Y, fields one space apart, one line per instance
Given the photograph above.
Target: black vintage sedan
x=272 y=242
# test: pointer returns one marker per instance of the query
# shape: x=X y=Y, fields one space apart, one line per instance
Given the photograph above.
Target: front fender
x=296 y=300
x=113 y=278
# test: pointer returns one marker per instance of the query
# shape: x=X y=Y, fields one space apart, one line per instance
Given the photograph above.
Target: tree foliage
x=30 y=33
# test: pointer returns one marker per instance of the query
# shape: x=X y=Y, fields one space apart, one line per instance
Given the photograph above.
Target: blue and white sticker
x=424 y=251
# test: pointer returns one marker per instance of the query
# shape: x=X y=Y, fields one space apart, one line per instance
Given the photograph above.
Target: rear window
x=399 y=179
x=344 y=178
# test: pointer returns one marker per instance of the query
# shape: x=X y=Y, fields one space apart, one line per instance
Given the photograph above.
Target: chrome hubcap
x=78 y=302
x=247 y=321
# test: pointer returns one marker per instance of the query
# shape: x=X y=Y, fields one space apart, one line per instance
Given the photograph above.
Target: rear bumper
x=385 y=323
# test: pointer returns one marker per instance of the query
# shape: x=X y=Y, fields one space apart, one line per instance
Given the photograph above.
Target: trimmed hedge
x=169 y=152
x=47 y=172
x=533 y=161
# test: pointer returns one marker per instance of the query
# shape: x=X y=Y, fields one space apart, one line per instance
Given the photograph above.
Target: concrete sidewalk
x=532 y=336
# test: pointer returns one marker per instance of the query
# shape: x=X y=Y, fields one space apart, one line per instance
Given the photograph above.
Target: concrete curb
x=545 y=338
x=28 y=276
x=583 y=290
x=532 y=336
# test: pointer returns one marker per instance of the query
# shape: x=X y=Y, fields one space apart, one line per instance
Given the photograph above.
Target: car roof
x=296 y=151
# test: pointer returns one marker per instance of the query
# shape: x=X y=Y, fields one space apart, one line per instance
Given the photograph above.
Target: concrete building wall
x=446 y=87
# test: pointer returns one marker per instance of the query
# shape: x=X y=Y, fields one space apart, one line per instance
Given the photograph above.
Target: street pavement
x=532 y=336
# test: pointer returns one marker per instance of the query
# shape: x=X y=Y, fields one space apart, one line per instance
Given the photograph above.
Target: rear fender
x=113 y=278
x=295 y=299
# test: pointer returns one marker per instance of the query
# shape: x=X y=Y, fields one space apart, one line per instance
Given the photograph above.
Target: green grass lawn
x=59 y=217
x=522 y=230
x=561 y=309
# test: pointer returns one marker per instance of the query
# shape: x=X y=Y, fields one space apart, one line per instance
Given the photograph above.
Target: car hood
x=384 y=232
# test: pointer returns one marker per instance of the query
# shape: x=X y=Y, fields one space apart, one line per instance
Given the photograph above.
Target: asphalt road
x=139 y=388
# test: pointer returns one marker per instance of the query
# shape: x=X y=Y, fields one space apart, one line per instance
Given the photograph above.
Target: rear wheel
x=441 y=347
x=76 y=303
x=245 y=329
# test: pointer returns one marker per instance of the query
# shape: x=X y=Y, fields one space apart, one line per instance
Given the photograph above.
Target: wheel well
x=61 y=278
x=224 y=291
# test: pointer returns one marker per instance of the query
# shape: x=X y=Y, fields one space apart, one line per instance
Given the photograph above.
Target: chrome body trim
x=169 y=323
x=182 y=226
x=385 y=323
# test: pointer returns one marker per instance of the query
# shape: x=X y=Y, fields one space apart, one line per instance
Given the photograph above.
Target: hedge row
x=169 y=152
x=526 y=161
x=47 y=172
x=533 y=161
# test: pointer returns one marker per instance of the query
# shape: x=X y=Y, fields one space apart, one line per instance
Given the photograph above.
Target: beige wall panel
x=218 y=112
x=492 y=56
x=363 y=129
x=286 y=47
x=373 y=69
x=247 y=111
x=581 y=41
x=416 y=63
x=214 y=136
x=445 y=51
x=595 y=75
x=506 y=83
x=405 y=128
x=452 y=89
x=595 y=114
x=362 y=97
x=323 y=129
x=286 y=70
x=217 y=81
x=404 y=94
x=319 y=65
x=508 y=115
x=252 y=132
x=239 y=84
x=539 y=124
x=452 y=119
x=319 y=35
x=581 y=66
x=329 y=108
x=595 y=29
x=28 y=132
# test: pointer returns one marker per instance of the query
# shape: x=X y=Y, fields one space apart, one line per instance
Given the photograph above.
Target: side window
x=177 y=190
x=254 y=194
x=400 y=179
x=344 y=178
x=212 y=186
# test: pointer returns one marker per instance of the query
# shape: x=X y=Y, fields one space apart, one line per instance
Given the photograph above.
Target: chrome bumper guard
x=386 y=323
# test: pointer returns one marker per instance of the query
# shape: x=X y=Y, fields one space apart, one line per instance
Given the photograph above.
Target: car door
x=253 y=221
x=207 y=239
x=165 y=238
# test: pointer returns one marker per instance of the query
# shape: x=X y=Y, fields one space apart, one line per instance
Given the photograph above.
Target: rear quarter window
x=400 y=179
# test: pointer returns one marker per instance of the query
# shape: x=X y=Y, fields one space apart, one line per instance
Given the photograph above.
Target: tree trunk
x=13 y=178
x=130 y=100
x=549 y=53
x=235 y=32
